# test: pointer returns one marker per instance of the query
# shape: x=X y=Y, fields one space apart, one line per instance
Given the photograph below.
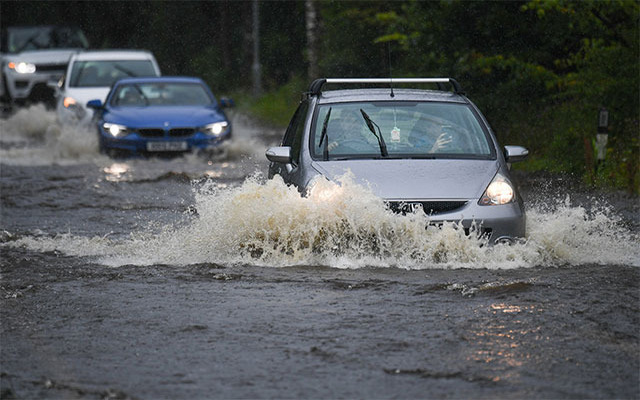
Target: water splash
x=32 y=136
x=270 y=224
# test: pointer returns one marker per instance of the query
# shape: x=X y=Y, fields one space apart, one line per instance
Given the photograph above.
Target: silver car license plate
x=167 y=146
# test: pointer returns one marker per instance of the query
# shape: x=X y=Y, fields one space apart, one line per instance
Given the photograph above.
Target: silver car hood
x=416 y=179
x=57 y=56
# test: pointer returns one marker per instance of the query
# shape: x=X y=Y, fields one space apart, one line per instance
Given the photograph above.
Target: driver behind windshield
x=344 y=131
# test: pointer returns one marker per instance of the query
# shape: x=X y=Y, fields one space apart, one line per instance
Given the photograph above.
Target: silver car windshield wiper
x=30 y=40
x=370 y=125
x=323 y=137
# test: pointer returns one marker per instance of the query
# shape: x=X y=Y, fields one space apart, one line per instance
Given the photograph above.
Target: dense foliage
x=540 y=69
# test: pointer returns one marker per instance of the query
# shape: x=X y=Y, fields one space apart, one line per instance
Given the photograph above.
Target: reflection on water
x=116 y=172
x=498 y=340
x=505 y=308
x=213 y=174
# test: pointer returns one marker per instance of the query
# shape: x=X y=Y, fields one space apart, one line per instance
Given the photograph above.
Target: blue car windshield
x=106 y=73
x=401 y=129
x=161 y=94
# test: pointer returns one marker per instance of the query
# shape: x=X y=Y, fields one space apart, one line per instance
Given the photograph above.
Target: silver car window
x=43 y=37
x=295 y=131
x=408 y=129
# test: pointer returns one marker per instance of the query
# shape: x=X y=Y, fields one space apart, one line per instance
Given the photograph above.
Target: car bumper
x=136 y=144
x=498 y=223
x=19 y=86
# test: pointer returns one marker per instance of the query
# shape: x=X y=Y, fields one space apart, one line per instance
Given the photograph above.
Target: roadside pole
x=256 y=68
x=602 y=137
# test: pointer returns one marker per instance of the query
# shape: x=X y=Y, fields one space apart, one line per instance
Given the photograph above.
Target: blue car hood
x=159 y=117
x=416 y=179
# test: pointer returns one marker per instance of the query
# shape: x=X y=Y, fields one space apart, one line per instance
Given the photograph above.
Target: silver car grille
x=51 y=67
x=429 y=207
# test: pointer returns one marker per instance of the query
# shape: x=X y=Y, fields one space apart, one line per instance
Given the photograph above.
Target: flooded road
x=195 y=278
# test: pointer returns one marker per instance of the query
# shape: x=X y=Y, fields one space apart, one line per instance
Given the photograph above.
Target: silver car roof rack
x=316 y=86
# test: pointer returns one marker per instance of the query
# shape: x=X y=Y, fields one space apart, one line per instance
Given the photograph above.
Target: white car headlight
x=22 y=67
x=499 y=191
x=115 y=130
x=73 y=107
x=216 y=128
x=68 y=102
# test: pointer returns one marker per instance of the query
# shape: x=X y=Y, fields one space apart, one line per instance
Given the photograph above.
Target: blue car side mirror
x=95 y=104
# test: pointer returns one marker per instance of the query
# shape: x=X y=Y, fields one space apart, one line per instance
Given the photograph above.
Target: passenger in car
x=429 y=140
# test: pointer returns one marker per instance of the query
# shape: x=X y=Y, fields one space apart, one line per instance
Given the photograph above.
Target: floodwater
x=196 y=277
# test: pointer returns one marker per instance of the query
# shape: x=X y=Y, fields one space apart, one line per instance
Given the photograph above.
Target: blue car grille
x=181 y=132
x=429 y=207
x=158 y=132
x=151 y=132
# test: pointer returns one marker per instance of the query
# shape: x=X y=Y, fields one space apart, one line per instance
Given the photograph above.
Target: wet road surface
x=177 y=279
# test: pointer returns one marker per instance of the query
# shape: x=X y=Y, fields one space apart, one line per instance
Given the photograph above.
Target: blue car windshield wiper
x=370 y=125
x=146 y=100
x=324 y=138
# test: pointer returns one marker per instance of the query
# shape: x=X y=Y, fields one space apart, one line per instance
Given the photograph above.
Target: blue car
x=160 y=115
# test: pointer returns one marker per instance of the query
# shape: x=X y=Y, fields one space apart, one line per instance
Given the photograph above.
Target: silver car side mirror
x=281 y=154
x=515 y=153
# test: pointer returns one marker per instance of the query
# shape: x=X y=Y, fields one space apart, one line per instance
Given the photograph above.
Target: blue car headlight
x=216 y=128
x=115 y=130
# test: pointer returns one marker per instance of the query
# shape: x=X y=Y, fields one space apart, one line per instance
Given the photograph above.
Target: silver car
x=426 y=151
x=32 y=56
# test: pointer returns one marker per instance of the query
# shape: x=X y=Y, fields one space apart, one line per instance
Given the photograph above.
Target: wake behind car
x=428 y=151
x=91 y=74
x=160 y=115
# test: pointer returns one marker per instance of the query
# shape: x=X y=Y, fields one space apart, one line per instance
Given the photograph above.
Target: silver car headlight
x=115 y=130
x=322 y=190
x=22 y=67
x=215 y=129
x=500 y=191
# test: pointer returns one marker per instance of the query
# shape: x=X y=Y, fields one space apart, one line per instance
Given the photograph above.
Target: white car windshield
x=399 y=129
x=106 y=73
x=161 y=94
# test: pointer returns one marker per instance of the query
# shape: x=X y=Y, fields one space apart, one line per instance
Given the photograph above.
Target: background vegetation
x=540 y=69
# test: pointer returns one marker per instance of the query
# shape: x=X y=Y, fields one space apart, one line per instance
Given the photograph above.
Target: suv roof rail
x=316 y=86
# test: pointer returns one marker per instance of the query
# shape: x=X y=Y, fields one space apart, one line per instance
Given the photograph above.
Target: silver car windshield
x=161 y=94
x=44 y=37
x=106 y=73
x=399 y=129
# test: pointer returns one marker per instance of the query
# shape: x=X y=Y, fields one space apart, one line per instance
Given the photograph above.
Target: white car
x=90 y=75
